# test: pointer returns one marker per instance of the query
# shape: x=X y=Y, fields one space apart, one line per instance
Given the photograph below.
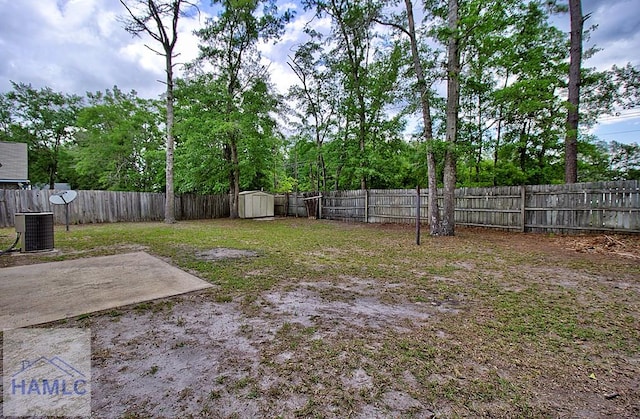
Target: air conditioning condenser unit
x=36 y=230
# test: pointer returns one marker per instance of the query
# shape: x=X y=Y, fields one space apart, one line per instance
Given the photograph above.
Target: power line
x=618 y=132
x=620 y=116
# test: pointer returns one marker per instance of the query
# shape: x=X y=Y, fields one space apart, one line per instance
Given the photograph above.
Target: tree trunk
x=231 y=148
x=478 y=157
x=453 y=103
x=53 y=167
x=52 y=177
x=363 y=136
x=167 y=36
x=433 y=209
x=496 y=151
x=356 y=56
x=170 y=208
x=571 y=138
x=522 y=147
x=323 y=172
x=235 y=184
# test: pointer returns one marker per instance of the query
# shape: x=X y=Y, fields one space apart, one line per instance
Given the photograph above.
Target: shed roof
x=254 y=193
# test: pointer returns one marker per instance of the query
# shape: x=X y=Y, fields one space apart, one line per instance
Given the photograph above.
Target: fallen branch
x=614 y=240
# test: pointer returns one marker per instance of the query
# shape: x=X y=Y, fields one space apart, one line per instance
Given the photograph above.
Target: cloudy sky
x=75 y=46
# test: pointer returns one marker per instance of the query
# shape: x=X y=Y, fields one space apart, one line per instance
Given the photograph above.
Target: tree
x=450 y=34
x=425 y=107
x=528 y=148
x=202 y=125
x=119 y=143
x=200 y=160
x=625 y=160
x=150 y=16
x=317 y=95
x=364 y=64
x=45 y=120
x=571 y=136
x=487 y=41
x=353 y=36
x=229 y=44
x=627 y=80
x=6 y=118
x=453 y=104
x=594 y=161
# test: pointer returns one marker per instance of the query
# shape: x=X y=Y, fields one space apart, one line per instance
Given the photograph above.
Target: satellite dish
x=63 y=198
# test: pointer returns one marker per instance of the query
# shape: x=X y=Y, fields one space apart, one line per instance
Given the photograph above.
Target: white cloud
x=281 y=76
x=107 y=23
x=139 y=54
x=76 y=46
x=617 y=33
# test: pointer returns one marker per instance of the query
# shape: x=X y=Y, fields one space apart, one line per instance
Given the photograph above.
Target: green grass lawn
x=519 y=325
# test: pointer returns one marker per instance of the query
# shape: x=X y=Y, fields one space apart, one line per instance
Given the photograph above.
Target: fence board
x=110 y=206
x=597 y=206
x=345 y=205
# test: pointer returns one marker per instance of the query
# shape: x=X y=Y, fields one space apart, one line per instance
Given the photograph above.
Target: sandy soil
x=222 y=359
x=324 y=349
x=351 y=346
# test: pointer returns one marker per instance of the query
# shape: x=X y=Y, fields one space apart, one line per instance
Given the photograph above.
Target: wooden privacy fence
x=108 y=206
x=598 y=206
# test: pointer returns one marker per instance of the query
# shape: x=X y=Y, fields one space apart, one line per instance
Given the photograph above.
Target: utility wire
x=618 y=132
x=620 y=116
x=12 y=247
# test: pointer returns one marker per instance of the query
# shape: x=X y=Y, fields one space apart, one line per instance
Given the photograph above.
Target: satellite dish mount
x=64 y=198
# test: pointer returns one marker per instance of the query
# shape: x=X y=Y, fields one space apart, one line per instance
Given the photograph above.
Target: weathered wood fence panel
x=198 y=207
x=290 y=205
x=597 y=206
x=499 y=207
x=297 y=206
x=109 y=206
x=601 y=206
x=345 y=205
x=394 y=205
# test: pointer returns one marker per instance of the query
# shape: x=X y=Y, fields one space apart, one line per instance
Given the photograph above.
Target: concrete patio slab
x=41 y=293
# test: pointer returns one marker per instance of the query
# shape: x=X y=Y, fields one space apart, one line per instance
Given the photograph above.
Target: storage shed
x=255 y=204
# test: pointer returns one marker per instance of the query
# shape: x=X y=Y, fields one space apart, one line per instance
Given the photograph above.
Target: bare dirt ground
x=482 y=336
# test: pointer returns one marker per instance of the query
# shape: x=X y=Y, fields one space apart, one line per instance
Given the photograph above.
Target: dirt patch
x=338 y=304
x=187 y=359
x=362 y=323
x=328 y=348
x=222 y=253
x=202 y=358
x=190 y=356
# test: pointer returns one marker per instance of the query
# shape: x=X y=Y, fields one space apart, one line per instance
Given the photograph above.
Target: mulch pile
x=619 y=244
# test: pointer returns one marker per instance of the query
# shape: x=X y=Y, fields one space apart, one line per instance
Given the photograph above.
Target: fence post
x=418 y=215
x=523 y=213
x=366 y=205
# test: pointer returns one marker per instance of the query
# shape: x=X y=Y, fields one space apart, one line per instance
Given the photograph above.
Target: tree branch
x=393 y=25
x=157 y=52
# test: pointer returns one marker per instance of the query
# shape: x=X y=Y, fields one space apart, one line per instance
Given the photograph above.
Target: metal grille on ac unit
x=36 y=230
